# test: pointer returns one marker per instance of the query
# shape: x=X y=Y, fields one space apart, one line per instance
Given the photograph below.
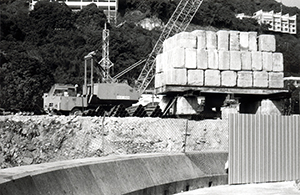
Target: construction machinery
x=108 y=94
x=97 y=98
x=113 y=97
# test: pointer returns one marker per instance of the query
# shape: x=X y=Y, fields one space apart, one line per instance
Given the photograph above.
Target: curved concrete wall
x=130 y=174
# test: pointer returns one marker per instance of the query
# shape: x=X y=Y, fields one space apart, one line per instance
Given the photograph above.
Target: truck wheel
x=76 y=112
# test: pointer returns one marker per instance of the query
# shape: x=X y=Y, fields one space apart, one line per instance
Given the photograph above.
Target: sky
x=290 y=3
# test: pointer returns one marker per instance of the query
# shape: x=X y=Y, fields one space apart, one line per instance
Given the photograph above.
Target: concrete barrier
x=130 y=174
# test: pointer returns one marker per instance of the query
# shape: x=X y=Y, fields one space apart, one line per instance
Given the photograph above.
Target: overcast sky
x=290 y=3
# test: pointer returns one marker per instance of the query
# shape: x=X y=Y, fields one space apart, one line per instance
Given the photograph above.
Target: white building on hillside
x=110 y=7
x=277 y=21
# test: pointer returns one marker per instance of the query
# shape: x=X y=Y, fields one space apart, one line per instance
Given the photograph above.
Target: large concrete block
x=176 y=77
x=223 y=40
x=191 y=58
x=278 y=62
x=201 y=38
x=212 y=59
x=224 y=62
x=186 y=105
x=246 y=60
x=235 y=60
x=202 y=61
x=167 y=60
x=228 y=78
x=234 y=43
x=185 y=40
x=267 y=43
x=267 y=59
x=158 y=63
x=177 y=58
x=159 y=80
x=195 y=77
x=212 y=78
x=211 y=40
x=276 y=80
x=244 y=79
x=244 y=41
x=260 y=79
x=252 y=41
x=168 y=44
x=256 y=60
x=269 y=107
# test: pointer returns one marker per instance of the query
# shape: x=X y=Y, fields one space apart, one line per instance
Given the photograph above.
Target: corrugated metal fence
x=263 y=148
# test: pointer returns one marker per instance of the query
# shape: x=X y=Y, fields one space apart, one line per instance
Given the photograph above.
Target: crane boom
x=128 y=69
x=179 y=21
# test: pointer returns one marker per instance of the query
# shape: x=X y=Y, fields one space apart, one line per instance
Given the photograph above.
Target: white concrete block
x=268 y=107
x=168 y=44
x=267 y=59
x=176 y=77
x=224 y=60
x=212 y=59
x=244 y=79
x=191 y=58
x=159 y=80
x=228 y=78
x=256 y=60
x=244 y=41
x=260 y=79
x=223 y=40
x=185 y=40
x=234 y=41
x=246 y=60
x=235 y=60
x=201 y=38
x=212 y=78
x=168 y=64
x=252 y=41
x=276 y=80
x=195 y=77
x=177 y=57
x=186 y=105
x=211 y=40
x=202 y=61
x=267 y=43
x=158 y=63
x=278 y=62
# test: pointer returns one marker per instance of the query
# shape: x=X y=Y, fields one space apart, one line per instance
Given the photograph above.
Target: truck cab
x=63 y=98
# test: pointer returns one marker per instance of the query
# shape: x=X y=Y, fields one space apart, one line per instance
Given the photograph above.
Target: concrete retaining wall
x=130 y=174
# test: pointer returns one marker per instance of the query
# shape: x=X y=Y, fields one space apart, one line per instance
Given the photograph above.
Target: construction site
x=215 y=97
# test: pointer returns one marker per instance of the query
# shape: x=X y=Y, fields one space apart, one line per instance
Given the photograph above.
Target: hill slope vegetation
x=47 y=45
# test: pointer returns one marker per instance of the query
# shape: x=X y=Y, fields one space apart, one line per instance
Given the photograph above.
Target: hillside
x=47 y=45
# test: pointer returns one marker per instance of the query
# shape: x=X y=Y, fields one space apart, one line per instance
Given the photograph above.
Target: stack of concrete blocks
x=220 y=59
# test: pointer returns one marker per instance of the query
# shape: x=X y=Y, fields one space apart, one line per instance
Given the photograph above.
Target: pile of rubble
x=28 y=140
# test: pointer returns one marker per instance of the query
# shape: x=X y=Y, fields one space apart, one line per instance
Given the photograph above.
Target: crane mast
x=105 y=62
x=179 y=21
